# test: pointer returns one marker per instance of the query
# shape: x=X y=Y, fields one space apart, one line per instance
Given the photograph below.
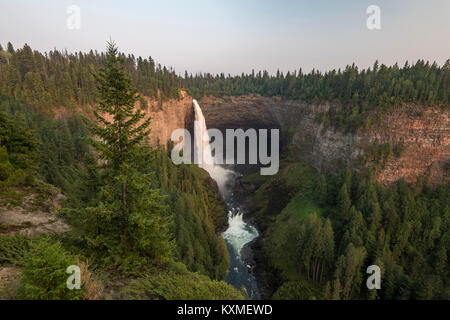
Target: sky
x=234 y=36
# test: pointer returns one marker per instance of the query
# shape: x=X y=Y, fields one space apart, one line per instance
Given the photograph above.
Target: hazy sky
x=234 y=36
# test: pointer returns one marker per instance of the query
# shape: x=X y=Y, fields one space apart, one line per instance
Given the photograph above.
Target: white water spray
x=239 y=233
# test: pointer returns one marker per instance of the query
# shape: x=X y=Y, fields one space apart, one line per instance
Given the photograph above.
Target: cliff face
x=299 y=130
x=165 y=117
x=170 y=115
x=424 y=133
x=425 y=138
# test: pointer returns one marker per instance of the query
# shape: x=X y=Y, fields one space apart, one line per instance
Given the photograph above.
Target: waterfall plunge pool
x=238 y=234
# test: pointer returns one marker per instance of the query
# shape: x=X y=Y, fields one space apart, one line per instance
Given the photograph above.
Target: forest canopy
x=59 y=78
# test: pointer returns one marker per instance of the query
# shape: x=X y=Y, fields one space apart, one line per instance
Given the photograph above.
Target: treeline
x=57 y=78
x=331 y=228
x=355 y=91
x=67 y=79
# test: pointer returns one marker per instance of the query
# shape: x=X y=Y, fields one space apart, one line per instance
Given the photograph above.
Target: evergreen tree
x=129 y=218
x=344 y=202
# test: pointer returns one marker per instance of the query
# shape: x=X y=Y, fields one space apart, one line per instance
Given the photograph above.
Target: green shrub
x=20 y=144
x=296 y=290
x=29 y=181
x=44 y=276
x=178 y=283
x=13 y=249
x=9 y=176
x=6 y=168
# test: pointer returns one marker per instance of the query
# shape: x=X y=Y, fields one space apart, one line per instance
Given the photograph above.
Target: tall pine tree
x=130 y=216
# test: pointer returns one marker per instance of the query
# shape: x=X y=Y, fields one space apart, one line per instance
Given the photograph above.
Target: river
x=238 y=234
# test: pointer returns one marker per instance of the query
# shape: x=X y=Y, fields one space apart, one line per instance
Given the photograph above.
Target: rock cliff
x=424 y=135
x=168 y=116
x=165 y=116
x=423 y=132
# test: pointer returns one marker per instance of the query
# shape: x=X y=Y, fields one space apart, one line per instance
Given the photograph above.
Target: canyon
x=423 y=133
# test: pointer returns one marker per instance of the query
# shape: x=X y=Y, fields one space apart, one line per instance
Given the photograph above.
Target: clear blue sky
x=234 y=36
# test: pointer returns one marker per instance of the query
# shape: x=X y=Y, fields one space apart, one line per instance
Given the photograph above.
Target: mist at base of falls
x=239 y=233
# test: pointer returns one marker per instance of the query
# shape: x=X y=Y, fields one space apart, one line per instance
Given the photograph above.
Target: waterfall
x=203 y=149
x=203 y=152
x=239 y=232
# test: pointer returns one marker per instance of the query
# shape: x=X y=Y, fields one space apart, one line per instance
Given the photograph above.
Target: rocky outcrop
x=424 y=135
x=36 y=214
x=168 y=116
x=9 y=282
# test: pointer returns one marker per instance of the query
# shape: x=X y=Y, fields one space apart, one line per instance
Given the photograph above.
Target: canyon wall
x=165 y=116
x=168 y=116
x=424 y=132
x=424 y=135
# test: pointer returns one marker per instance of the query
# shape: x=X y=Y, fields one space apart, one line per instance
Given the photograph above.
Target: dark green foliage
x=18 y=159
x=179 y=284
x=198 y=213
x=20 y=143
x=403 y=229
x=296 y=290
x=320 y=192
x=44 y=275
x=60 y=79
x=7 y=171
x=62 y=150
x=13 y=249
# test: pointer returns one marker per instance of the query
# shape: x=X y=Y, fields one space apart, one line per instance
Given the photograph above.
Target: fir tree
x=129 y=217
